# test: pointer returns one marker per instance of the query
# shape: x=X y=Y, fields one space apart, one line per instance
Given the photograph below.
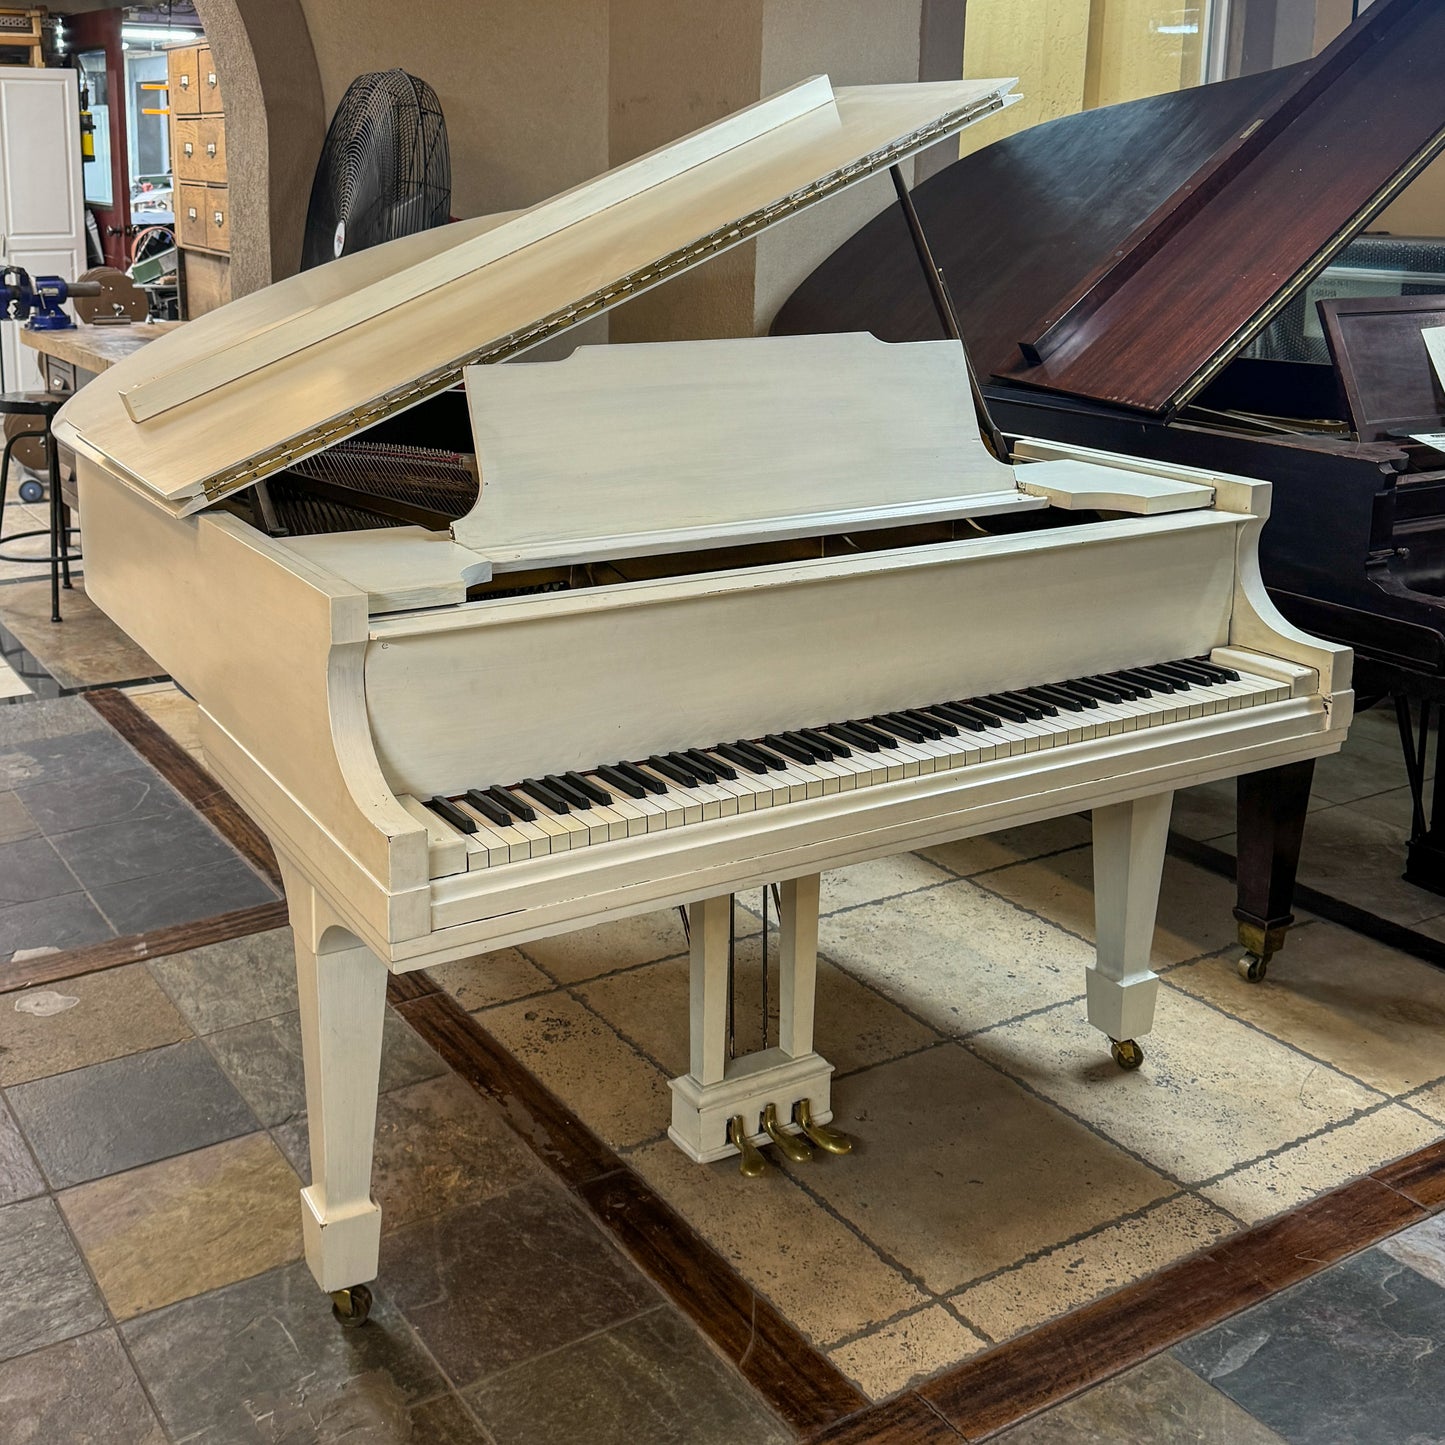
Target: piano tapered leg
x=342 y=987
x=791 y=1078
x=1271 y=825
x=1129 y=841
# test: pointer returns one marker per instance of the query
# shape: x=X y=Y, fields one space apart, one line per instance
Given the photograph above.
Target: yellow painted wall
x=1141 y=47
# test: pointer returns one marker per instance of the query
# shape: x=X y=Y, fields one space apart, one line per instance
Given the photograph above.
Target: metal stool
x=42 y=404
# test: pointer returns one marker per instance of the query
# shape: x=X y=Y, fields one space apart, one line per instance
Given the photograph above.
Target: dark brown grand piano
x=1106 y=271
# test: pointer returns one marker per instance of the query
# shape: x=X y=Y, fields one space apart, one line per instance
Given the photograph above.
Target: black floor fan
x=385 y=170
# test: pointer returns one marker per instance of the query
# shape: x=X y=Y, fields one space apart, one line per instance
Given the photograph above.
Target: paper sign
x=1434 y=439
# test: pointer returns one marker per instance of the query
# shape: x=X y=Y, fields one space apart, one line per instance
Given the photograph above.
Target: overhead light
x=161 y=33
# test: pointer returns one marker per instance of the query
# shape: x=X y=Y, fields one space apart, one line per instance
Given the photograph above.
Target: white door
x=42 y=216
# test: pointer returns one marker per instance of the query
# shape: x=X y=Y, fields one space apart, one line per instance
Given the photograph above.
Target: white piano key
x=559 y=833
x=499 y=845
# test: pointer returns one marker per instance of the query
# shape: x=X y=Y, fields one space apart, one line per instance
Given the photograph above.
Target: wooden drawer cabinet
x=191 y=215
x=186 y=150
x=218 y=219
x=182 y=81
x=210 y=85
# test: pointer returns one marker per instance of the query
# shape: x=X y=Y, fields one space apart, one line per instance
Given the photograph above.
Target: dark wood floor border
x=799 y=1383
x=187 y=777
x=135 y=948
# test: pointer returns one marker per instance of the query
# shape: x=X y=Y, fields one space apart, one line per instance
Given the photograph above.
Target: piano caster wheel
x=751 y=1164
x=351 y=1306
x=1252 y=968
x=1127 y=1054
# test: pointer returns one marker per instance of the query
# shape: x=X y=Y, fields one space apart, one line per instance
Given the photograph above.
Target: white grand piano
x=652 y=624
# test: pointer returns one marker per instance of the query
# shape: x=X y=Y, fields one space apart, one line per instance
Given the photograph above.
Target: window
x=97 y=172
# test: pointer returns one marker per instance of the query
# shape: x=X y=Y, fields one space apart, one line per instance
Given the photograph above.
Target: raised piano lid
x=1136 y=249
x=240 y=393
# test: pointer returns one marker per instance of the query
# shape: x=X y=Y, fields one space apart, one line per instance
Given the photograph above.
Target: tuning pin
x=751 y=1163
x=831 y=1141
x=789 y=1145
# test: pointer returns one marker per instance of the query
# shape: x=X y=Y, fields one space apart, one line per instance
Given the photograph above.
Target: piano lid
x=1127 y=254
x=228 y=399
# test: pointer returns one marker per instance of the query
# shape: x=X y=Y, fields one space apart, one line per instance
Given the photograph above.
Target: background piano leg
x=1271 y=826
x=717 y=1089
x=1129 y=841
x=342 y=988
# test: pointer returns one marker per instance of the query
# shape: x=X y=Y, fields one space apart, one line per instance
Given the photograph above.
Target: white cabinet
x=42 y=215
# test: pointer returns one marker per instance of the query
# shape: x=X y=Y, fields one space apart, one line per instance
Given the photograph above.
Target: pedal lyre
x=829 y=1140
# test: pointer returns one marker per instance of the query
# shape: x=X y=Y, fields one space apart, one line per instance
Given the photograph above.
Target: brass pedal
x=751 y=1164
x=829 y=1140
x=789 y=1145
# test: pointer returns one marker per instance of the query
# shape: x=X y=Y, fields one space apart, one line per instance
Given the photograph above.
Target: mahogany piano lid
x=247 y=390
x=1127 y=254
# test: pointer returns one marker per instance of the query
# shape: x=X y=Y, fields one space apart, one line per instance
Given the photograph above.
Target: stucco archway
x=275 y=124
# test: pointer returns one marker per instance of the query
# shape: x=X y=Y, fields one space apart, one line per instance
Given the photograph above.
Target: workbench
x=70 y=358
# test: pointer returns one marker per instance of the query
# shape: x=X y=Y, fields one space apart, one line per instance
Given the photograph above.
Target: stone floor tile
x=51 y=924
x=1299 y=1172
x=571 y=957
x=45 y=1293
x=168 y=707
x=114 y=799
x=897 y=1355
x=959 y=957
x=183 y=896
x=1375 y=725
x=52 y=717
x=20 y=1176
x=854 y=1027
x=119 y=1011
x=233 y=982
x=142 y=848
x=491 y=978
x=446 y=1421
x=185 y=1225
x=611 y=1086
x=1011 y=845
x=263 y=1061
x=1430 y=1102
x=651 y=1379
x=1394 y=808
x=127 y=1112
x=1212 y=1094
x=1351 y=856
x=955 y=1171
x=439 y=1145
x=820 y=1274
x=1378 y=1324
x=1364 y=766
x=1046 y=1285
x=1373 y=1013
x=499 y=1282
x=1205 y=812
x=1422 y=1247
x=266 y=1355
x=1195 y=908
x=15 y=822
x=53 y=758
x=876 y=879
x=1156 y=1403
x=31 y=869
x=89 y=648
x=79 y=1392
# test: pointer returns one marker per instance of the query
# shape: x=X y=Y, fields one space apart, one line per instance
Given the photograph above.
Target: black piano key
x=817 y=752
x=1156 y=681
x=444 y=808
x=979 y=714
x=569 y=794
x=1010 y=712
x=519 y=808
x=1224 y=674
x=1196 y=675
x=589 y=789
x=1139 y=678
x=697 y=765
x=536 y=788
x=771 y=761
x=789 y=749
x=664 y=767
x=879 y=735
x=739 y=758
x=946 y=726
x=864 y=742
x=619 y=780
x=834 y=748
x=1101 y=690
x=931 y=730
x=725 y=771
x=1180 y=674
x=954 y=713
x=1042 y=708
x=900 y=728
x=1031 y=710
x=493 y=812
x=645 y=780
x=1055 y=700
x=1069 y=689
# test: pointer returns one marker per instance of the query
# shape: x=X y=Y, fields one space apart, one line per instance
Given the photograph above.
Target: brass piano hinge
x=441 y=378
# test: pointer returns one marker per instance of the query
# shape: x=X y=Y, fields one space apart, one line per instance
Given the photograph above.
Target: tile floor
x=152 y=1136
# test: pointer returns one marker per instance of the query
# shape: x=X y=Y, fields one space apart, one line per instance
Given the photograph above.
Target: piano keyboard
x=536 y=817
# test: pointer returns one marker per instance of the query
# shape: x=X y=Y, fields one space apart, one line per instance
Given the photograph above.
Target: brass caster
x=351 y=1306
x=830 y=1141
x=751 y=1164
x=1252 y=968
x=789 y=1145
x=1127 y=1053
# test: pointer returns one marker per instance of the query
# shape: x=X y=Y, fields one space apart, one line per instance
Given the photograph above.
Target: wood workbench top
x=96 y=348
